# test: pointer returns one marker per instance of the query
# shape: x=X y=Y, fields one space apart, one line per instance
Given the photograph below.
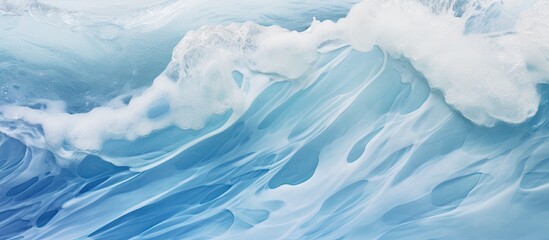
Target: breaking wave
x=206 y=119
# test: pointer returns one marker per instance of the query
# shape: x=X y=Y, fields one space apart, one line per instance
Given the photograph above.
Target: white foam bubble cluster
x=486 y=78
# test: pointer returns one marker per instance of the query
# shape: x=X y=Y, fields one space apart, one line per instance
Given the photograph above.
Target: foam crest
x=197 y=84
x=486 y=78
x=474 y=73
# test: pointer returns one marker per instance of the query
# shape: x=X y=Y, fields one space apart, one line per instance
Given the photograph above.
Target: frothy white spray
x=484 y=78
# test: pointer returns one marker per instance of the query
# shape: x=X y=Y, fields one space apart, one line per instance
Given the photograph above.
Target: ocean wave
x=416 y=119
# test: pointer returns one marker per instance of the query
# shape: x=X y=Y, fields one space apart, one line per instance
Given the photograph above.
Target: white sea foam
x=533 y=30
x=486 y=78
x=475 y=73
x=13 y=7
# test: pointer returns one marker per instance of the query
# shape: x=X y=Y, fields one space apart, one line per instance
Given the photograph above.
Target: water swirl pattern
x=241 y=119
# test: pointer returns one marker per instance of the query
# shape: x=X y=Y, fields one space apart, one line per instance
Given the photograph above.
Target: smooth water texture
x=398 y=119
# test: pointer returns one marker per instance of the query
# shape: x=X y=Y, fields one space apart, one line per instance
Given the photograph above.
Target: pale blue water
x=357 y=147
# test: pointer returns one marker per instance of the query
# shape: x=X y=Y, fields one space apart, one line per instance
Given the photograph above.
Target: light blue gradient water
x=365 y=151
